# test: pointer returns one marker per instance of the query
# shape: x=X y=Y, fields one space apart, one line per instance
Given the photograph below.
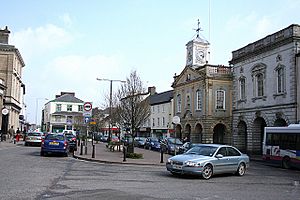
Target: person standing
x=11 y=133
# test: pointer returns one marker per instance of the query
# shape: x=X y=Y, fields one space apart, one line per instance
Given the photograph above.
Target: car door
x=222 y=163
x=233 y=158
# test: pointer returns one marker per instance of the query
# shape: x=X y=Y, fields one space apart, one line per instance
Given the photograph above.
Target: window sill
x=242 y=101
x=283 y=94
x=264 y=98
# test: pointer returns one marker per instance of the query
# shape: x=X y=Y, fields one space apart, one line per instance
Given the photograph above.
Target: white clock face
x=199 y=56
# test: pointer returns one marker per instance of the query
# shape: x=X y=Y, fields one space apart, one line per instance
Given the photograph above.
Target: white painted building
x=65 y=112
x=161 y=114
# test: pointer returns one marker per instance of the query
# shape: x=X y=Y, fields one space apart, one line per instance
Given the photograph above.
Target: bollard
x=93 y=151
x=124 y=153
x=14 y=141
x=161 y=155
x=81 y=148
x=85 y=149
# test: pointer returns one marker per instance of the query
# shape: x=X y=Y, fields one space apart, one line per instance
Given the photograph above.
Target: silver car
x=209 y=159
x=34 y=138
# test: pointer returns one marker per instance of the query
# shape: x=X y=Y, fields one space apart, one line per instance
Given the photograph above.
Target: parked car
x=72 y=141
x=152 y=143
x=139 y=141
x=186 y=146
x=34 y=138
x=55 y=143
x=115 y=138
x=171 y=145
x=104 y=138
x=209 y=159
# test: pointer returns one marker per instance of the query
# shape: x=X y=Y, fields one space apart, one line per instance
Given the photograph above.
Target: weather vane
x=198 y=29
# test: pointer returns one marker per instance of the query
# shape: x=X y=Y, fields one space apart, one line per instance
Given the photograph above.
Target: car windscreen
x=55 y=137
x=154 y=140
x=69 y=135
x=202 y=150
x=175 y=141
x=35 y=134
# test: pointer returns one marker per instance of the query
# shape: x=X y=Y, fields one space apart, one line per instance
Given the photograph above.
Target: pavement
x=104 y=155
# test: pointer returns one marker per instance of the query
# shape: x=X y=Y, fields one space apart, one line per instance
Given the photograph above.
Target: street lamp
x=36 y=108
x=110 y=102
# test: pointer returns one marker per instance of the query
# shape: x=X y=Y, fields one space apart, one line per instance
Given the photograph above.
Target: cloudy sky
x=67 y=44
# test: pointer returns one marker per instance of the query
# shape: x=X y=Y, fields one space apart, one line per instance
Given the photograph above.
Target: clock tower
x=197 y=51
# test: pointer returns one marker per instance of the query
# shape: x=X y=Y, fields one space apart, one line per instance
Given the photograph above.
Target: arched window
x=280 y=79
x=260 y=85
x=178 y=103
x=242 y=88
x=198 y=100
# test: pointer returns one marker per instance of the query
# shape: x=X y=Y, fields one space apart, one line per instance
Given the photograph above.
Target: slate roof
x=163 y=97
x=68 y=98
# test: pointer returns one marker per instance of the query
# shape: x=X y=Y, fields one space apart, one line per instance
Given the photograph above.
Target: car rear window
x=35 y=134
x=55 y=137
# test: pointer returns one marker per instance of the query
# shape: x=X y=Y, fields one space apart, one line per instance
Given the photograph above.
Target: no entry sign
x=87 y=106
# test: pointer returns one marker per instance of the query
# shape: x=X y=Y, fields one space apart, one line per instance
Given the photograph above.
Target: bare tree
x=133 y=107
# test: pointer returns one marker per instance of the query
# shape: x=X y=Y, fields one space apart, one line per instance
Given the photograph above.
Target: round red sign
x=87 y=106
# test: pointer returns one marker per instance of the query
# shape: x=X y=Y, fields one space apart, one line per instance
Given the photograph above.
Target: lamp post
x=110 y=102
x=36 y=108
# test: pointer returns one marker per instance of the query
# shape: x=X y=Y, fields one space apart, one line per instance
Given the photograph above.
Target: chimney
x=152 y=90
x=4 y=34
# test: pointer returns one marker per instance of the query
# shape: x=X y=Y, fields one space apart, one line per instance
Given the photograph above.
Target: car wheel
x=286 y=163
x=241 y=170
x=65 y=154
x=42 y=153
x=207 y=172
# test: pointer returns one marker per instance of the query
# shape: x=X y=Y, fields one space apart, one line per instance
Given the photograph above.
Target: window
x=163 y=122
x=198 y=100
x=158 y=109
x=178 y=103
x=158 y=122
x=222 y=151
x=232 y=152
x=69 y=107
x=280 y=80
x=188 y=102
x=260 y=85
x=58 y=107
x=80 y=108
x=220 y=99
x=163 y=108
x=153 y=109
x=242 y=86
x=153 y=122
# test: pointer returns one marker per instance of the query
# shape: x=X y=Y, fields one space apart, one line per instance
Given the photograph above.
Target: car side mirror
x=219 y=156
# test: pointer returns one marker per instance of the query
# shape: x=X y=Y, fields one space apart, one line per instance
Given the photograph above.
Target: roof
x=163 y=97
x=67 y=98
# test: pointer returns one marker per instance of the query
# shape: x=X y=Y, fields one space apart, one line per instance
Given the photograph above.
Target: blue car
x=152 y=143
x=55 y=143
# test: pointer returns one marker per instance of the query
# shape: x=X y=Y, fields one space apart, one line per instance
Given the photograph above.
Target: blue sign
x=87 y=119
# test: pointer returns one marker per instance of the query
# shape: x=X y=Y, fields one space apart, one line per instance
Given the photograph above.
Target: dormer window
x=188 y=77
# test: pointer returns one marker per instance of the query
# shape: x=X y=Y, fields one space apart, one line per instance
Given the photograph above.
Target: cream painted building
x=11 y=66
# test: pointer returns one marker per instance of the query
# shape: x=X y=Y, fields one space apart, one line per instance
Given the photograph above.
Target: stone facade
x=11 y=66
x=202 y=97
x=265 y=87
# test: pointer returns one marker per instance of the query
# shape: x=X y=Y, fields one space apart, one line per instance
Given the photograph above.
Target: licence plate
x=54 y=143
x=177 y=166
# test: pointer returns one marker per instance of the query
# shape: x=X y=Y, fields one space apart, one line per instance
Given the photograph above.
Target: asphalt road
x=26 y=175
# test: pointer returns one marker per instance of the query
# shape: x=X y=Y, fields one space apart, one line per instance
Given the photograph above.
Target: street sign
x=87 y=119
x=87 y=109
x=87 y=106
x=5 y=111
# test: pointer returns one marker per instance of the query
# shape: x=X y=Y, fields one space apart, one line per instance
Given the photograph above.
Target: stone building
x=11 y=66
x=266 y=87
x=202 y=97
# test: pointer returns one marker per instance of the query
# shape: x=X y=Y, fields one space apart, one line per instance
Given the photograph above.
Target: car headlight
x=192 y=164
x=170 y=161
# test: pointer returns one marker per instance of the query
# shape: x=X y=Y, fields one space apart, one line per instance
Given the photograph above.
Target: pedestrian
x=11 y=133
x=18 y=135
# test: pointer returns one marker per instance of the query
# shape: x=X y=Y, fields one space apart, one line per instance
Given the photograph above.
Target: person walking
x=11 y=133
x=18 y=135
